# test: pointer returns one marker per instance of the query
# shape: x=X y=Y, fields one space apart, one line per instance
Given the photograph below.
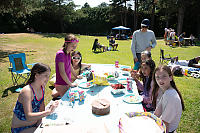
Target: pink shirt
x=66 y=59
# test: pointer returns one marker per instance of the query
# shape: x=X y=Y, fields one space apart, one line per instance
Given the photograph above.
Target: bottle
x=129 y=84
x=116 y=74
x=186 y=72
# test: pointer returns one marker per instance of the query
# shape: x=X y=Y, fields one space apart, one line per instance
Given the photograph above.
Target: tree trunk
x=135 y=15
x=153 y=15
x=180 y=17
x=125 y=16
x=60 y=17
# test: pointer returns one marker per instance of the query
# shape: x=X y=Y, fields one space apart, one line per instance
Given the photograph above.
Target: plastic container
x=116 y=64
x=129 y=84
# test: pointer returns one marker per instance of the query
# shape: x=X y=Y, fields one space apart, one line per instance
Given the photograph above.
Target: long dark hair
x=156 y=87
x=79 y=64
x=38 y=68
x=68 y=37
x=152 y=66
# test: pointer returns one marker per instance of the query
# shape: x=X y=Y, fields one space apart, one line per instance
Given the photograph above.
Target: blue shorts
x=19 y=129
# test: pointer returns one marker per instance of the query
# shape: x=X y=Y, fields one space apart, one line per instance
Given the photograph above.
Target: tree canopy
x=63 y=16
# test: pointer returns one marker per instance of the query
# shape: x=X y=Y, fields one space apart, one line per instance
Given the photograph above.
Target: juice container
x=117 y=64
x=186 y=72
x=129 y=84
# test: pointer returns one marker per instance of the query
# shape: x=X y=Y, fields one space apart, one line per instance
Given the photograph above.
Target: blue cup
x=136 y=66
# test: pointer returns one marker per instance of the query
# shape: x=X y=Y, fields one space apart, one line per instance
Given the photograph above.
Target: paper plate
x=136 y=120
x=122 y=81
x=125 y=73
x=85 y=85
x=131 y=98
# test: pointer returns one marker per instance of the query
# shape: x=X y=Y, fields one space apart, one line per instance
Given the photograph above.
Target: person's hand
x=136 y=59
x=147 y=100
x=53 y=106
x=79 y=77
x=73 y=85
x=134 y=74
x=89 y=66
x=148 y=49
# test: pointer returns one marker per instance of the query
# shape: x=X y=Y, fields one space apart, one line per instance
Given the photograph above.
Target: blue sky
x=92 y=3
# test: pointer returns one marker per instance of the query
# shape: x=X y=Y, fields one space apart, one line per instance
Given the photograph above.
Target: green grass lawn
x=43 y=47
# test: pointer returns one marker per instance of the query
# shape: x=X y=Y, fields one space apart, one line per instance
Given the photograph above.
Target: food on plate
x=85 y=85
x=100 y=107
x=127 y=69
x=122 y=81
x=130 y=98
x=117 y=86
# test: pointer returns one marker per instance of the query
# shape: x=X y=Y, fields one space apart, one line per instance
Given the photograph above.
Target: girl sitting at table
x=30 y=109
x=64 y=67
x=145 y=87
x=167 y=98
x=77 y=64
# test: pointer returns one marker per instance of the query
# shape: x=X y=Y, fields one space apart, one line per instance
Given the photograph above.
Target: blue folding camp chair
x=18 y=68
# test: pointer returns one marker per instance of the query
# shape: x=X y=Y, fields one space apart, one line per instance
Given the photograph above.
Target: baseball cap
x=145 y=22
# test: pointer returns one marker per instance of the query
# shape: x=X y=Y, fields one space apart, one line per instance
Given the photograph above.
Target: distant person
x=165 y=36
x=97 y=45
x=181 y=39
x=192 y=38
x=143 y=39
x=172 y=36
x=194 y=62
x=112 y=43
x=64 y=67
x=30 y=109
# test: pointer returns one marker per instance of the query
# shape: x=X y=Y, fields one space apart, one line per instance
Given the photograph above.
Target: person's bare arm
x=63 y=74
x=26 y=100
x=196 y=65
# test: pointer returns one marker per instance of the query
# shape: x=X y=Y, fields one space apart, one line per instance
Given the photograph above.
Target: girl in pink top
x=64 y=67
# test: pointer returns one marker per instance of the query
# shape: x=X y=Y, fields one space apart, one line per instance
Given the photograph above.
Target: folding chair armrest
x=168 y=55
x=31 y=64
x=10 y=69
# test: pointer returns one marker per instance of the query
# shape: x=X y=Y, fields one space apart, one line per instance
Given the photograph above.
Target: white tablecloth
x=81 y=112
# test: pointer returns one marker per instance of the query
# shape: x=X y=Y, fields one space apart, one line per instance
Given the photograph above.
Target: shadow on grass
x=56 y=35
x=11 y=89
x=4 y=54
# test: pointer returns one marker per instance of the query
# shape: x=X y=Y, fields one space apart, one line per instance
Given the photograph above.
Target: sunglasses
x=73 y=41
x=144 y=26
x=74 y=58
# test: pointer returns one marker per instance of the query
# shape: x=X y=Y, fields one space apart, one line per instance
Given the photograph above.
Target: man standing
x=143 y=39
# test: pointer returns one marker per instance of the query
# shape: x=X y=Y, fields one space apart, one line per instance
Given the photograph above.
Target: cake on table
x=101 y=107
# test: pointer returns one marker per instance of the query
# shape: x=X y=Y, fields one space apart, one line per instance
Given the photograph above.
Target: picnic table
x=81 y=112
x=187 y=41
